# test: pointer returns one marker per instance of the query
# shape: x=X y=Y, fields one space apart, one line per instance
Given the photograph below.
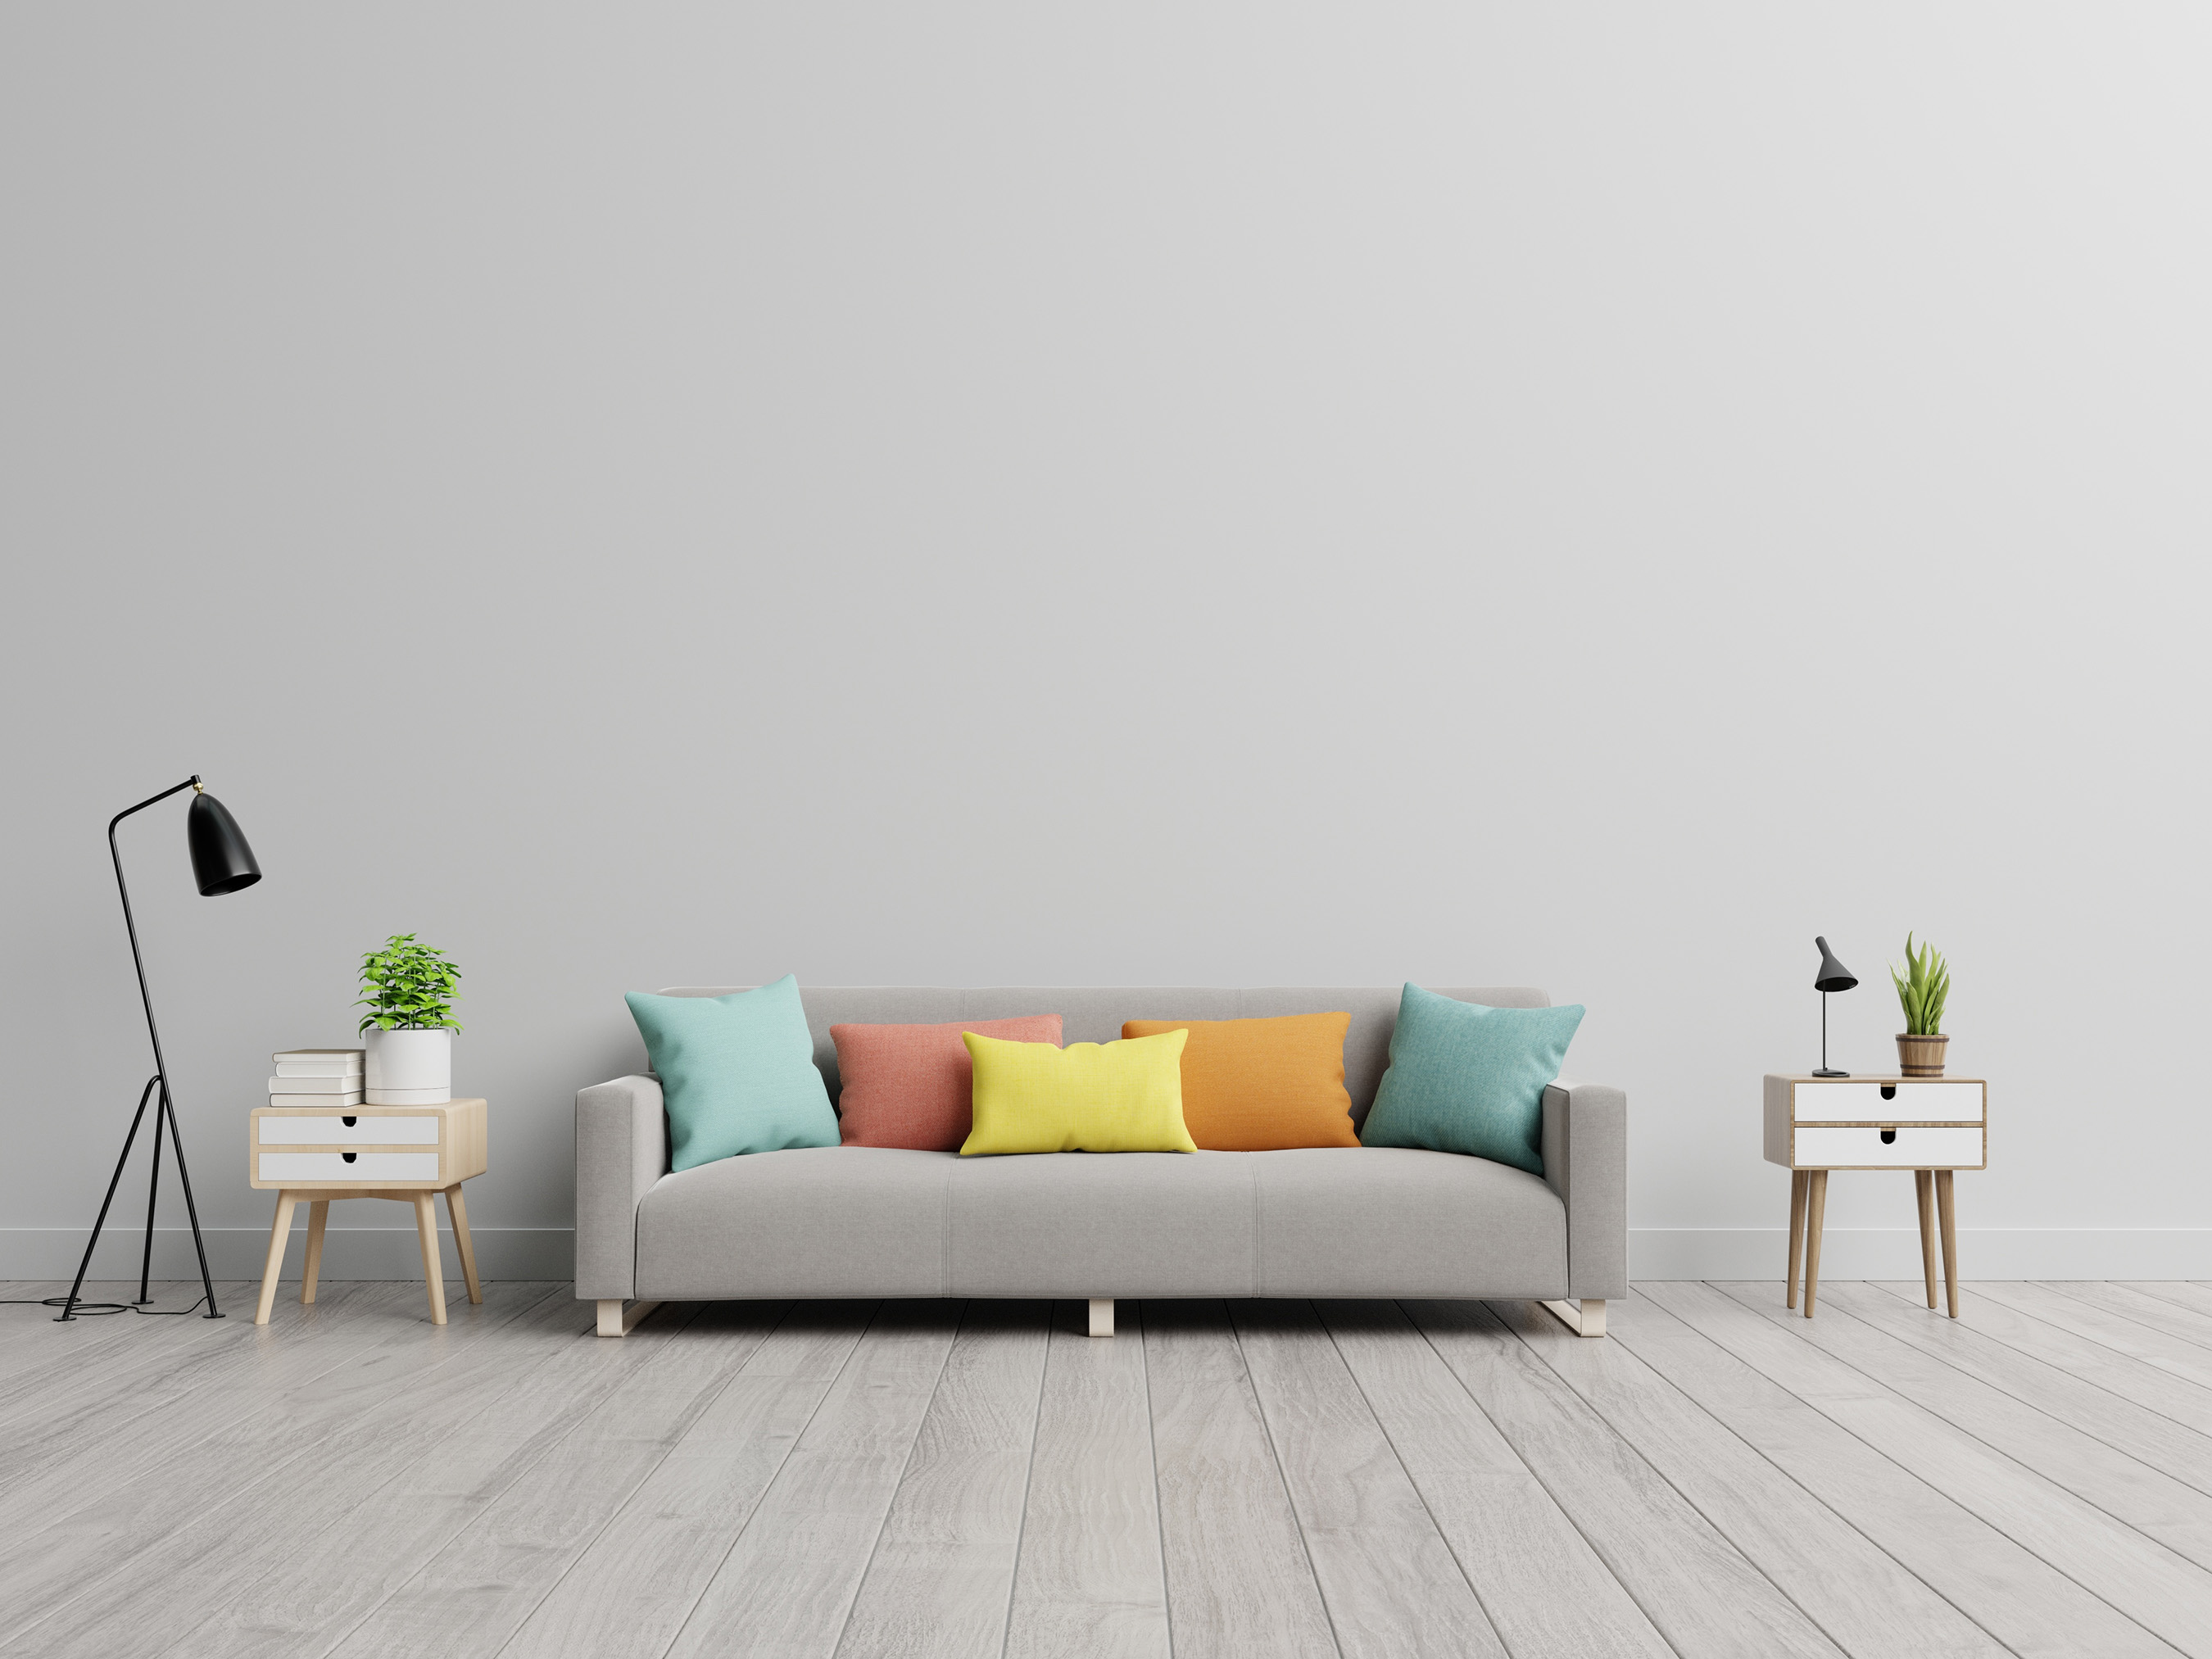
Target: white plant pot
x=409 y=1068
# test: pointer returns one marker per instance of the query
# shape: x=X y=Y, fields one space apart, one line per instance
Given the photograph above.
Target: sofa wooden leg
x=1584 y=1318
x=1101 y=1316
x=619 y=1318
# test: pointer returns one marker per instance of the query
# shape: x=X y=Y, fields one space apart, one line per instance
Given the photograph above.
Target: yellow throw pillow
x=1089 y=1097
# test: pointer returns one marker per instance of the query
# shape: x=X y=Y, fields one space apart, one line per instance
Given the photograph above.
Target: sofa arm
x=622 y=1149
x=1586 y=1164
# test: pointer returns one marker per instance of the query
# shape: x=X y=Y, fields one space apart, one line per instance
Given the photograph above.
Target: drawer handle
x=349 y=1121
x=350 y=1156
x=1889 y=1091
x=1889 y=1137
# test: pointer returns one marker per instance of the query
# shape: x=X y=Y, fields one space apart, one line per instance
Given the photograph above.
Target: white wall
x=1587 y=496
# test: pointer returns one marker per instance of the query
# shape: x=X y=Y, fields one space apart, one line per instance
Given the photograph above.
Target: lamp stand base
x=1825 y=1072
x=162 y=1111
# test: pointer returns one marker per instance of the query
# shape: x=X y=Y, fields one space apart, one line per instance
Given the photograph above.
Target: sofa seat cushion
x=866 y=1221
x=1102 y=1224
x=816 y=1221
x=1386 y=1221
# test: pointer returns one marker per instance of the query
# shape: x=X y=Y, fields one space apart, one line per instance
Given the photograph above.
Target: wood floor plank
x=2170 y=1397
x=37 y=1349
x=2125 y=1488
x=473 y=1527
x=1695 y=1586
x=1239 y=1581
x=2175 y=1355
x=77 y=1457
x=1389 y=1581
x=2160 y=1313
x=1089 y=1577
x=629 y=1592
x=788 y=1580
x=488 y=1520
x=163 y=1555
x=1867 y=1602
x=2179 y=1292
x=131 y=1395
x=352 y=1478
x=126 y=1490
x=2159 y=1441
x=2026 y=1603
x=2157 y=1588
x=1543 y=1588
x=937 y=1586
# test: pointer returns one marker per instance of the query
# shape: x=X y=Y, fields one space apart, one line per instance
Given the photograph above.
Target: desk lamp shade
x=1832 y=976
x=222 y=861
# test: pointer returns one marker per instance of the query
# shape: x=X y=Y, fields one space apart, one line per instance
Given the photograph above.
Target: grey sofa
x=853 y=1221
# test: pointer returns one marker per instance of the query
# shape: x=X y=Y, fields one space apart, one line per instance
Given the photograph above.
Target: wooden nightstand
x=1930 y=1125
x=411 y=1153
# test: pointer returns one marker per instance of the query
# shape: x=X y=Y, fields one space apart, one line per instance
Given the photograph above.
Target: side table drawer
x=1887 y=1102
x=346 y=1168
x=350 y=1129
x=1861 y=1146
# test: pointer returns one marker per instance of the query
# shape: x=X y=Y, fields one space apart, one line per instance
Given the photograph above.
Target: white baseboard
x=1895 y=1252
x=547 y=1253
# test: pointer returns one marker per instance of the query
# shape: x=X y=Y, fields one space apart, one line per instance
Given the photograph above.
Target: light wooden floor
x=1271 y=1479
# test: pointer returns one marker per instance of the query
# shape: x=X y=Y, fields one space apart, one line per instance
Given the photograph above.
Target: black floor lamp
x=221 y=863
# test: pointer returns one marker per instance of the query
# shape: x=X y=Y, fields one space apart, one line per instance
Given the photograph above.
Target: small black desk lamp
x=221 y=863
x=1832 y=976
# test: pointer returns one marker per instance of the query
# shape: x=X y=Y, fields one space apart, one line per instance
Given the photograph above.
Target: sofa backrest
x=1094 y=1013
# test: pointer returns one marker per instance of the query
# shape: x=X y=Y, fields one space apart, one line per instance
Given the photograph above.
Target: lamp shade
x=1832 y=976
x=222 y=861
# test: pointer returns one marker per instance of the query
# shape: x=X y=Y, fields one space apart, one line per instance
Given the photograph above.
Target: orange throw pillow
x=1258 y=1085
x=913 y=1085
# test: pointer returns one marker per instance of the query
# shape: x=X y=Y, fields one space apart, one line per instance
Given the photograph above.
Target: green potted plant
x=408 y=989
x=1922 y=988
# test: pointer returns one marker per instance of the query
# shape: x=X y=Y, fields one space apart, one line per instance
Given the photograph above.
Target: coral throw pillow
x=1086 y=1097
x=1259 y=1086
x=908 y=1085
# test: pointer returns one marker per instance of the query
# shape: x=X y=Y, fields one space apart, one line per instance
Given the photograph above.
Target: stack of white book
x=317 y=1077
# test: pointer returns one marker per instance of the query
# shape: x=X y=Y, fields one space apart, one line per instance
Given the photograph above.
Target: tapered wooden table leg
x=1817 y=1195
x=1798 y=1178
x=458 y=1210
x=426 y=1223
x=1950 y=1240
x=1923 y=1189
x=277 y=1235
x=319 y=1212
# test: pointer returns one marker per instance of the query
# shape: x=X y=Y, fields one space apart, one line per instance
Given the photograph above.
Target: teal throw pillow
x=1467 y=1078
x=737 y=1072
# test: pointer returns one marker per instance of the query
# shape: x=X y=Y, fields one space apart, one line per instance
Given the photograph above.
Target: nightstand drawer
x=1825 y=1146
x=346 y=1168
x=348 y=1129
x=1887 y=1102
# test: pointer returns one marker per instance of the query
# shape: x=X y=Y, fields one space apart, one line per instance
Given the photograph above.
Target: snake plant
x=1923 y=989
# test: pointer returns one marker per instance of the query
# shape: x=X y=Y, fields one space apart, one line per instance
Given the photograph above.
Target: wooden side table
x=1930 y=1125
x=411 y=1153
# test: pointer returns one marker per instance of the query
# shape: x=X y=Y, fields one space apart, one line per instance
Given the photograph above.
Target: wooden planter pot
x=1921 y=1056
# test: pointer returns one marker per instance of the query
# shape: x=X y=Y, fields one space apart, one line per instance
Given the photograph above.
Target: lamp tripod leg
x=177 y=1139
x=68 y=1307
x=153 y=1196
